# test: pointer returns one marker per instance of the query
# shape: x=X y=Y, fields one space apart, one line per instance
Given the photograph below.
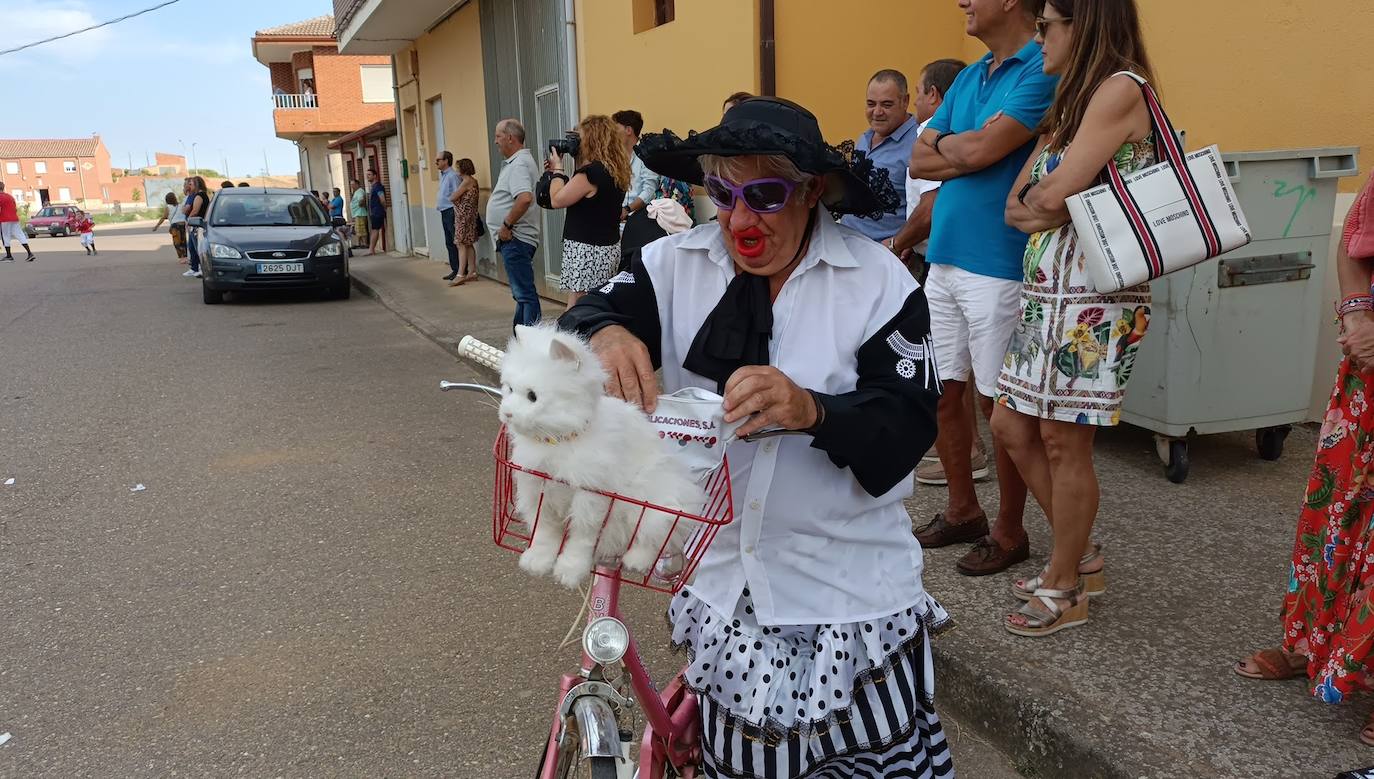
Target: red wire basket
x=671 y=572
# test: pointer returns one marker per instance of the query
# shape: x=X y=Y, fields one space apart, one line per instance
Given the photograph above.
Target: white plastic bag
x=691 y=422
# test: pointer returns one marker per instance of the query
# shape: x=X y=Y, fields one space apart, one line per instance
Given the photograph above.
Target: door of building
x=43 y=196
x=400 y=200
x=527 y=74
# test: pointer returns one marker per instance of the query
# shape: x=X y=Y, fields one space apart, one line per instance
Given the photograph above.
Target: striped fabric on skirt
x=851 y=700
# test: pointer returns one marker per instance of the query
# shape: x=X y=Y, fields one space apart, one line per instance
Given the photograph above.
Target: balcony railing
x=296 y=101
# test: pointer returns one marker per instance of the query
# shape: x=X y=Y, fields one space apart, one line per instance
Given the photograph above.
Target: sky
x=178 y=76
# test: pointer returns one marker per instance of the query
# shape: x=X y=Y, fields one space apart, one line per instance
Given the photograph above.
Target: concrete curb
x=411 y=319
x=1029 y=730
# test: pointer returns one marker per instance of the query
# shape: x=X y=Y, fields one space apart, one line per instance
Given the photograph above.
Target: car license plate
x=281 y=267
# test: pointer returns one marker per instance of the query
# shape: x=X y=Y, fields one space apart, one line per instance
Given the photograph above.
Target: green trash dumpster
x=1232 y=342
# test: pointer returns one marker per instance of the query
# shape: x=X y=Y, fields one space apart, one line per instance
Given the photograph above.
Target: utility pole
x=193 y=155
x=266 y=171
x=224 y=161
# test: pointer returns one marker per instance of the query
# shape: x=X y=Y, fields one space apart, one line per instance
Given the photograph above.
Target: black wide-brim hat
x=772 y=125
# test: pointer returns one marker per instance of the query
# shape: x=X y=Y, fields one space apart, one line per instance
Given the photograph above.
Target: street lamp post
x=193 y=155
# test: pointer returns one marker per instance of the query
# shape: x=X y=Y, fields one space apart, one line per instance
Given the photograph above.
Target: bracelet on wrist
x=1352 y=304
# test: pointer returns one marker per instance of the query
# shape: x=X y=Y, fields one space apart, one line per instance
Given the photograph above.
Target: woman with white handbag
x=1070 y=358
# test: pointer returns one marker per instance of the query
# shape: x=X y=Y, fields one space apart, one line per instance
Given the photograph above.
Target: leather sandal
x=938 y=532
x=1094 y=583
x=1274 y=665
x=1036 y=623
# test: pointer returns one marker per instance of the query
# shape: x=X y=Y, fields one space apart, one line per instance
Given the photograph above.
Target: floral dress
x=1328 y=613
x=465 y=219
x=1073 y=349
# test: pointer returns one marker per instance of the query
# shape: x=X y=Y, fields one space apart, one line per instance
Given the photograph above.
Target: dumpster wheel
x=1269 y=441
x=1173 y=452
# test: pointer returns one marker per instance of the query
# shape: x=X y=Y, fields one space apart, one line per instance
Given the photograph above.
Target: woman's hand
x=554 y=162
x=770 y=397
x=1357 y=342
x=627 y=361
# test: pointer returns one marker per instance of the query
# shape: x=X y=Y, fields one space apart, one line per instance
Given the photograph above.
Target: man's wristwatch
x=941 y=137
x=507 y=225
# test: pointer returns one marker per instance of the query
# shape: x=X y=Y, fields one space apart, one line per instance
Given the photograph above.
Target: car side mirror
x=197 y=222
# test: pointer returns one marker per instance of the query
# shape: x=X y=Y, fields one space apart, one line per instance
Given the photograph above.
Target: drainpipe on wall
x=570 y=45
x=768 y=49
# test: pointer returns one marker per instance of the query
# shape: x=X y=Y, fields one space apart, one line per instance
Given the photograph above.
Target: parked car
x=270 y=239
x=53 y=220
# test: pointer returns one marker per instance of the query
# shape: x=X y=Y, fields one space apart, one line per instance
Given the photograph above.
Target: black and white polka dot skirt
x=586 y=266
x=815 y=701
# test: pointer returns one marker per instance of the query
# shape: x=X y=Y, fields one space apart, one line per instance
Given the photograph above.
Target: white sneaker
x=196 y=274
x=188 y=274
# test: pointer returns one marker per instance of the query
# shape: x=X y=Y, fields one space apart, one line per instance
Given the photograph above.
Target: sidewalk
x=1195 y=573
x=413 y=288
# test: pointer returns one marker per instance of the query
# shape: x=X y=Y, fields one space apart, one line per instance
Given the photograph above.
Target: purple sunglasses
x=762 y=196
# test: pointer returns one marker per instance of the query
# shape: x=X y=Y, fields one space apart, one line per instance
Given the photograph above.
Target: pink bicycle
x=590 y=733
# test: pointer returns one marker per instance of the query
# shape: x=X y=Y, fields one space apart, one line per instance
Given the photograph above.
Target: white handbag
x=1164 y=218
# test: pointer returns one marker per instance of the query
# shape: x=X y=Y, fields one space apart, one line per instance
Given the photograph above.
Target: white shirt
x=916 y=189
x=175 y=214
x=809 y=542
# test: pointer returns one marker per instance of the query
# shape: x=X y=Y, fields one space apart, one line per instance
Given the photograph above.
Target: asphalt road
x=305 y=587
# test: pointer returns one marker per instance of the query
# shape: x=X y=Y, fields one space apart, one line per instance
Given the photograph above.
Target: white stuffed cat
x=562 y=423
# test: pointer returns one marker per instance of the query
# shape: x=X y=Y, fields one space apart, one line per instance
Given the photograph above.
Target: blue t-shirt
x=336 y=206
x=376 y=201
x=969 y=228
x=894 y=156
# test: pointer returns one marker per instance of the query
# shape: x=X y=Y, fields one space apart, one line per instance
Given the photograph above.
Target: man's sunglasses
x=1042 y=24
x=762 y=196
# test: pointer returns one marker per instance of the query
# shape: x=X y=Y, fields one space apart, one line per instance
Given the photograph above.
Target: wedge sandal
x=1054 y=618
x=1094 y=584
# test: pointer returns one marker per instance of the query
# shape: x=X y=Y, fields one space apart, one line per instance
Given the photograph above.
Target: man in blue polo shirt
x=977 y=143
x=888 y=141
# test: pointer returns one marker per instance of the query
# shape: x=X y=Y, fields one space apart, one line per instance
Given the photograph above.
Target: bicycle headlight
x=606 y=640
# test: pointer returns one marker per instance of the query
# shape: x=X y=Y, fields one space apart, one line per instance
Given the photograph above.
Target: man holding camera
x=643 y=182
x=511 y=220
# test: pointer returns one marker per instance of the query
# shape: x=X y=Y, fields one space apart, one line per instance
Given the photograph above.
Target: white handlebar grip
x=481 y=353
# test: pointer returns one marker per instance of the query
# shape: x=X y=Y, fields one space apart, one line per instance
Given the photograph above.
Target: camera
x=569 y=144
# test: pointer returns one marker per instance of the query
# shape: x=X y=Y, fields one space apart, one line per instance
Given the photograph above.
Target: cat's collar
x=555 y=440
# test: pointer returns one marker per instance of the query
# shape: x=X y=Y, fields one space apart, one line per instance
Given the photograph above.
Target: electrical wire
x=87 y=29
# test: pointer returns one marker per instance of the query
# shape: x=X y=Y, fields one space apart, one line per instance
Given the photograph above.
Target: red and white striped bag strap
x=1168 y=149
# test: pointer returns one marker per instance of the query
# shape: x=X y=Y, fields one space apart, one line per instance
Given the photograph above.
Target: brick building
x=319 y=95
x=58 y=170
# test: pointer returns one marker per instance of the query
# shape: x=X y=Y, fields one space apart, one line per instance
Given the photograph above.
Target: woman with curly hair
x=591 y=232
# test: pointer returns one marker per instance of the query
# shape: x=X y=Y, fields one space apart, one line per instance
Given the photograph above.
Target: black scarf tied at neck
x=736 y=333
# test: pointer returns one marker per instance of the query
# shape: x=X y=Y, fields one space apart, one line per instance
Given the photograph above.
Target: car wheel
x=210 y=296
x=342 y=291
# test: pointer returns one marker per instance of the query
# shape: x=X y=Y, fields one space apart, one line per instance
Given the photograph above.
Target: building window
x=64 y=194
x=376 y=83
x=40 y=167
x=68 y=166
x=12 y=168
x=648 y=14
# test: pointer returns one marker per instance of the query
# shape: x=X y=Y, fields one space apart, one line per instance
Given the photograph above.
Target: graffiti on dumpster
x=1305 y=195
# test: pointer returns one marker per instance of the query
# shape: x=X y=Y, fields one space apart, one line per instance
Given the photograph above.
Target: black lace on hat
x=772 y=125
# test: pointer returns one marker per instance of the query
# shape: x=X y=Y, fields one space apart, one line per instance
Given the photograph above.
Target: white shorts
x=12 y=231
x=88 y=239
x=971 y=321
